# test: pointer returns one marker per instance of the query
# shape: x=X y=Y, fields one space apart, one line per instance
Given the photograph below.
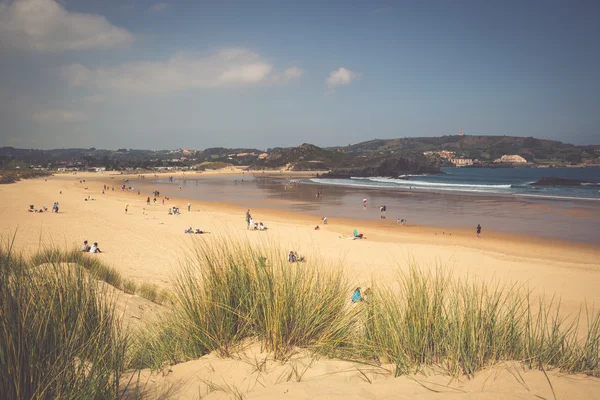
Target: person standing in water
x=478 y=231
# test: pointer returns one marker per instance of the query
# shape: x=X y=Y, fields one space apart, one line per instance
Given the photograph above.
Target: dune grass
x=433 y=319
x=230 y=292
x=59 y=335
x=100 y=271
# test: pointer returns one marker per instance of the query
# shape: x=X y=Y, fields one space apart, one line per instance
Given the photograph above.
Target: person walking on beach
x=189 y=206
x=382 y=209
x=148 y=201
x=126 y=208
x=478 y=231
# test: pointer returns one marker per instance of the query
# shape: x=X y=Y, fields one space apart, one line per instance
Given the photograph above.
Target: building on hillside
x=461 y=162
x=441 y=153
x=263 y=156
x=510 y=159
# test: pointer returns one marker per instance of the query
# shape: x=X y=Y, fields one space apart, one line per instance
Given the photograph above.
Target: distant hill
x=484 y=148
x=304 y=157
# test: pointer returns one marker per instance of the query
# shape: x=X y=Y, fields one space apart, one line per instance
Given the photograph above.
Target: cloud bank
x=45 y=26
x=225 y=68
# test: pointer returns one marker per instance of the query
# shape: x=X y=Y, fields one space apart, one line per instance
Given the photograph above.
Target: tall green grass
x=99 y=270
x=433 y=319
x=230 y=292
x=59 y=335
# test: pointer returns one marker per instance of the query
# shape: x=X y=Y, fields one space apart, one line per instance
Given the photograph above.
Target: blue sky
x=197 y=74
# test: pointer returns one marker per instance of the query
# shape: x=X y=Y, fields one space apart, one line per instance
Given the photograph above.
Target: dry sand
x=146 y=246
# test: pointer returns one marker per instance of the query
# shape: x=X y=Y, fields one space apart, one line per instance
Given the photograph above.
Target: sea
x=500 y=199
x=489 y=181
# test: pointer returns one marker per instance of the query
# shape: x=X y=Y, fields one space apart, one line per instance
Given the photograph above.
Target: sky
x=205 y=73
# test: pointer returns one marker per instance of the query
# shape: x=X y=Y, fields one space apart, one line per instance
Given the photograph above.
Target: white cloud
x=340 y=77
x=45 y=25
x=59 y=116
x=226 y=68
x=159 y=7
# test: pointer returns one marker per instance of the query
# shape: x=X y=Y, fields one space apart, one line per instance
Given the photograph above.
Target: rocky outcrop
x=557 y=182
x=387 y=166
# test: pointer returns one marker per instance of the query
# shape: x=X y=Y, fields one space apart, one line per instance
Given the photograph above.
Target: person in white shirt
x=250 y=223
x=85 y=247
x=95 y=248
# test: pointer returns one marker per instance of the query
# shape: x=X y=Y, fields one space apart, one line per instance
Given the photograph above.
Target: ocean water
x=488 y=181
x=498 y=199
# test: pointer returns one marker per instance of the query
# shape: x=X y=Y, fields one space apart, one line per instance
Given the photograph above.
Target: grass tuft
x=59 y=335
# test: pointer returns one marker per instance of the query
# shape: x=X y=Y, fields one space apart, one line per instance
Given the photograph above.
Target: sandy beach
x=146 y=244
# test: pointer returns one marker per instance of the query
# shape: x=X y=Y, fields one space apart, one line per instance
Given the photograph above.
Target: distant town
x=461 y=150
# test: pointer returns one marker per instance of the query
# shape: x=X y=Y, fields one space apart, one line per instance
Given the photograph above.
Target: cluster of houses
x=461 y=162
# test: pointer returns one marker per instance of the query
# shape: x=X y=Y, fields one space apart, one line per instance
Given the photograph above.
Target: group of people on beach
x=32 y=209
x=252 y=225
x=86 y=248
x=295 y=257
x=197 y=231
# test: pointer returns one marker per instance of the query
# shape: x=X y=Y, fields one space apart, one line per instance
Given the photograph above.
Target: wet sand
x=575 y=221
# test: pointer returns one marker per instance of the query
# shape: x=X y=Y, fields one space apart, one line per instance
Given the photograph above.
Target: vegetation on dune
x=59 y=335
x=100 y=271
x=434 y=319
x=231 y=292
x=214 y=165
x=15 y=175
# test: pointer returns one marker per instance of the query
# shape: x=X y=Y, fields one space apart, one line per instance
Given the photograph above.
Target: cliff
x=388 y=166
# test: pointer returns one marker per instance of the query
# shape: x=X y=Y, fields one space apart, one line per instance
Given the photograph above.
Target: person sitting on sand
x=299 y=258
x=291 y=257
x=95 y=248
x=190 y=230
x=356 y=296
x=317 y=228
x=85 y=247
x=261 y=227
x=170 y=211
x=367 y=295
x=199 y=232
